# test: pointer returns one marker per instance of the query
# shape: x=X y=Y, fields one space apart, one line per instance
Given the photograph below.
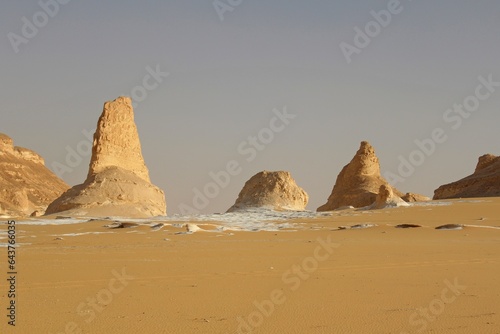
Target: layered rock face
x=386 y=198
x=118 y=181
x=484 y=182
x=26 y=185
x=359 y=181
x=271 y=190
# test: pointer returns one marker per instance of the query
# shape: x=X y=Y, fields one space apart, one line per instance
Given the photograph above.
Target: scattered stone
x=192 y=228
x=362 y=226
x=450 y=227
x=408 y=226
x=120 y=225
x=157 y=227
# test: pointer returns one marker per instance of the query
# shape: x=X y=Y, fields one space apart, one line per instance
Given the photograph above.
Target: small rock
x=361 y=226
x=157 y=227
x=35 y=214
x=450 y=227
x=121 y=225
x=408 y=226
x=192 y=228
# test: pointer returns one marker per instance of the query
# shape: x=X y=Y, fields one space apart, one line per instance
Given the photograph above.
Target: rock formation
x=271 y=190
x=411 y=197
x=26 y=185
x=484 y=182
x=359 y=181
x=118 y=181
x=386 y=198
x=116 y=141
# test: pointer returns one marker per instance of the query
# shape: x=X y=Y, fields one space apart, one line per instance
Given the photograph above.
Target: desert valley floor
x=305 y=275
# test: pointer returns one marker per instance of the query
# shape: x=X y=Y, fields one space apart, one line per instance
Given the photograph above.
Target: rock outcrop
x=484 y=182
x=387 y=199
x=26 y=185
x=271 y=190
x=118 y=182
x=359 y=181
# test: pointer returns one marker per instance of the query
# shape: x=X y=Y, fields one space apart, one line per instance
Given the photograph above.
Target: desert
x=311 y=274
x=104 y=257
x=239 y=167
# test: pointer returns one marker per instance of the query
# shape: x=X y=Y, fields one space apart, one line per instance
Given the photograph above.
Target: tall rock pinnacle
x=118 y=181
x=116 y=140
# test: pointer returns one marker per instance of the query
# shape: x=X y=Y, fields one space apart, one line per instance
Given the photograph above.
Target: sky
x=224 y=89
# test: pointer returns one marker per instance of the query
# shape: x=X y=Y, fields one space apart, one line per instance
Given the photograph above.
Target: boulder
x=271 y=190
x=387 y=199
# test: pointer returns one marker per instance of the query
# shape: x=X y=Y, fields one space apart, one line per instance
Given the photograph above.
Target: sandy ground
x=317 y=280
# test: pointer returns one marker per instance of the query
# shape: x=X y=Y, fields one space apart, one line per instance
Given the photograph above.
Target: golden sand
x=315 y=280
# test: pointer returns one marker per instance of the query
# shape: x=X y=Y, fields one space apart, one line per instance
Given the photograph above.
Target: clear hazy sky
x=226 y=77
